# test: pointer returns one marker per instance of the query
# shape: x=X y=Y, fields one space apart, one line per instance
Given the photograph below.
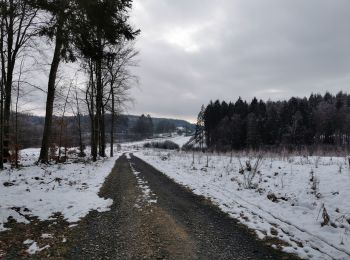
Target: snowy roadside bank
x=42 y=190
x=287 y=201
x=131 y=147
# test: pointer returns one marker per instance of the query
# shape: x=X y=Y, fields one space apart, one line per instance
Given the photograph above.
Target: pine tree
x=253 y=135
x=199 y=134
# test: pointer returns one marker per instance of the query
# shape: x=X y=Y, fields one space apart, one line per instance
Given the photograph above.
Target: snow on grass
x=286 y=201
x=135 y=146
x=147 y=195
x=180 y=140
x=45 y=235
x=34 y=248
x=42 y=190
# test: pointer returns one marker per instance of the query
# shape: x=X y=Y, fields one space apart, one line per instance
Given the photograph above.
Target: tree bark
x=7 y=110
x=2 y=127
x=102 y=133
x=90 y=100
x=16 y=117
x=112 y=123
x=95 y=138
x=99 y=101
x=81 y=146
x=62 y=125
x=3 y=75
x=44 y=152
x=8 y=82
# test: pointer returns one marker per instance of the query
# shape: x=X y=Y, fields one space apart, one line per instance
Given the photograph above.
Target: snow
x=148 y=196
x=45 y=235
x=34 y=248
x=28 y=242
x=286 y=199
x=135 y=146
x=296 y=214
x=180 y=140
x=42 y=190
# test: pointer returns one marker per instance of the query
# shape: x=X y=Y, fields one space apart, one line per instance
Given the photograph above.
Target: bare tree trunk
x=102 y=133
x=16 y=130
x=93 y=137
x=7 y=111
x=94 y=141
x=62 y=125
x=9 y=79
x=16 y=116
x=90 y=100
x=112 y=123
x=2 y=126
x=81 y=146
x=17 y=25
x=99 y=101
x=44 y=152
x=94 y=122
x=2 y=94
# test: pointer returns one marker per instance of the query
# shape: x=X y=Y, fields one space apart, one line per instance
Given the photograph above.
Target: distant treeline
x=294 y=123
x=126 y=128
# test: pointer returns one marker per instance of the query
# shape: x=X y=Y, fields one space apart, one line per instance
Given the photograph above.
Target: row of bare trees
x=18 y=26
x=107 y=90
x=95 y=34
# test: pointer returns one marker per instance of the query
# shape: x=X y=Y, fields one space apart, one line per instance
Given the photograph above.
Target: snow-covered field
x=302 y=201
x=287 y=199
x=42 y=190
x=138 y=145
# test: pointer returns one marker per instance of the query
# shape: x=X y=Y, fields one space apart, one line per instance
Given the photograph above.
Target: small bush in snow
x=168 y=145
x=249 y=171
x=315 y=183
x=343 y=219
x=340 y=167
x=317 y=161
x=325 y=216
x=164 y=157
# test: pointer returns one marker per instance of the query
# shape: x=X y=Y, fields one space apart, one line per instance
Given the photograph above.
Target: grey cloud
x=195 y=51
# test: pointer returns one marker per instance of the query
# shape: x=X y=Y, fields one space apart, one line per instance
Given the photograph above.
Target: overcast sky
x=194 y=51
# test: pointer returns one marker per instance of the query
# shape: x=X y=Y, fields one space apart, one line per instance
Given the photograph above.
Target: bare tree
x=2 y=92
x=78 y=116
x=119 y=78
x=62 y=123
x=16 y=145
x=1 y=124
x=57 y=29
x=18 y=27
x=90 y=95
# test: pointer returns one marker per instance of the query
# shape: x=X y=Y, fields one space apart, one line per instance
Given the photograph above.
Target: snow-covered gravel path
x=177 y=225
x=287 y=202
